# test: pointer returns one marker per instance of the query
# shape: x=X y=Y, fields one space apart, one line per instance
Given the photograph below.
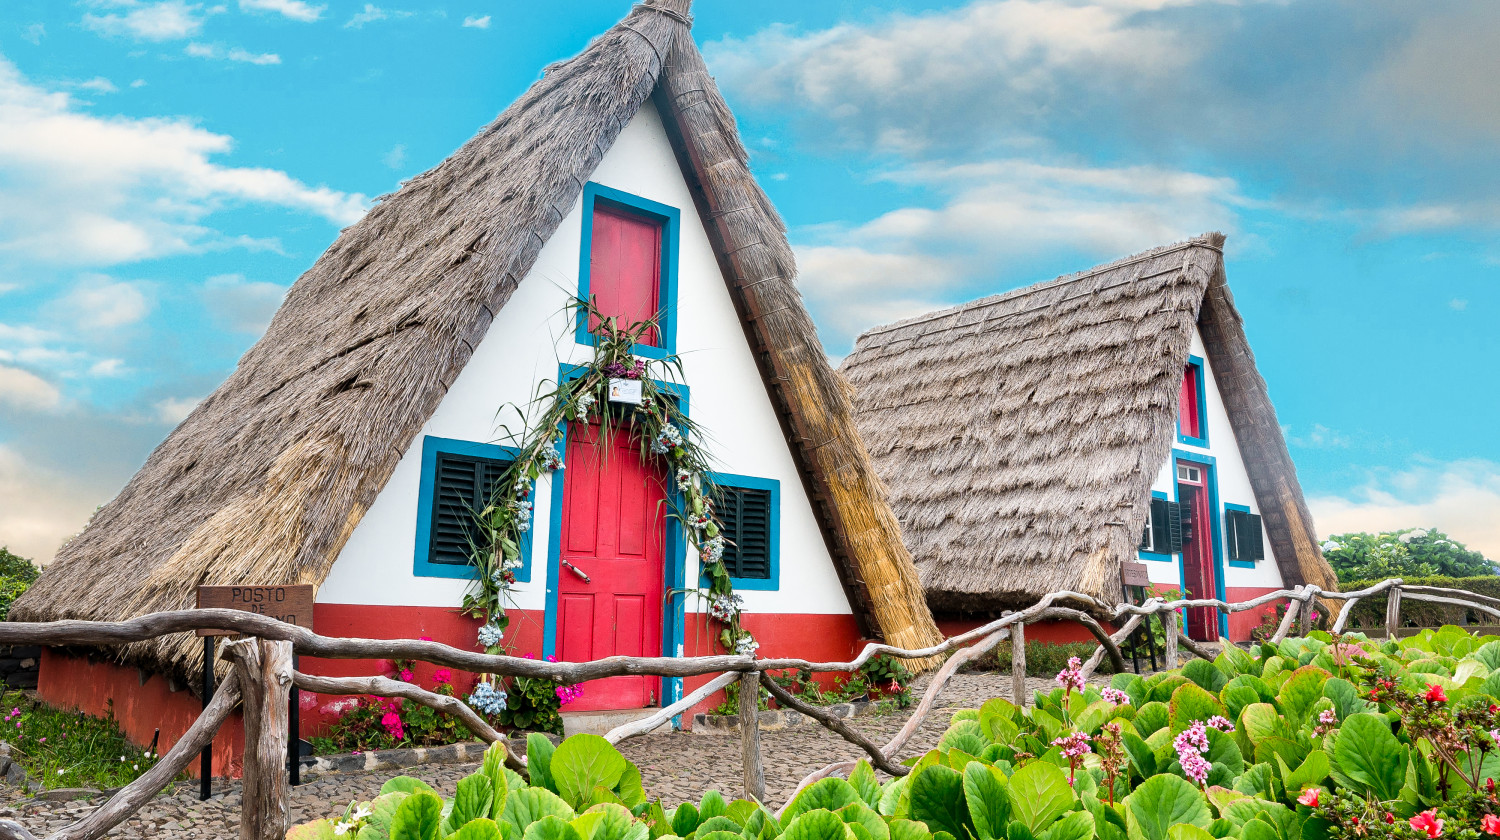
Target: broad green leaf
x=1191 y=703
x=719 y=823
x=966 y=735
x=539 y=761
x=1311 y=773
x=937 y=799
x=382 y=811
x=1345 y=697
x=418 y=817
x=1235 y=662
x=582 y=762
x=1185 y=831
x=1236 y=698
x=1039 y=792
x=480 y=829
x=1242 y=811
x=471 y=802
x=1018 y=831
x=1162 y=691
x=1141 y=756
x=830 y=794
x=1290 y=751
x=818 y=824
x=989 y=805
x=1109 y=824
x=656 y=820
x=406 y=784
x=1150 y=717
x=712 y=805
x=631 y=791
x=997 y=719
x=1368 y=753
x=862 y=815
x=865 y=784
x=720 y=834
x=526 y=806
x=1078 y=825
x=1161 y=802
x=550 y=828
x=895 y=798
x=494 y=768
x=685 y=819
x=1300 y=693
x=1260 y=721
x=1223 y=750
x=315 y=830
x=909 y=830
x=1206 y=675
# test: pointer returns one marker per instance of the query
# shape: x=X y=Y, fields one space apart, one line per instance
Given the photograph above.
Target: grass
x=62 y=749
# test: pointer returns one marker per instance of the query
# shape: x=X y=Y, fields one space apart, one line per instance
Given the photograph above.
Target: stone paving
x=674 y=767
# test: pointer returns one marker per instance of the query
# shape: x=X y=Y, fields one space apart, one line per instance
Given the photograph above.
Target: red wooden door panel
x=625 y=268
x=1188 y=410
x=613 y=531
x=1198 y=562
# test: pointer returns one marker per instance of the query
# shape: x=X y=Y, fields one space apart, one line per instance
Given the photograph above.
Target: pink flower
x=1221 y=723
x=1490 y=824
x=1427 y=822
x=1435 y=695
x=406 y=675
x=426 y=638
x=1309 y=797
x=1073 y=745
x=392 y=723
x=1327 y=717
x=1116 y=696
x=1070 y=678
x=1191 y=744
x=442 y=676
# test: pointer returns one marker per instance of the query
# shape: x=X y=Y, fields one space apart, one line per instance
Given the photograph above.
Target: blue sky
x=168 y=169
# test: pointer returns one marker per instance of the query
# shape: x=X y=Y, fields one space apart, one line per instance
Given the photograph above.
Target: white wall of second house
x=1234 y=488
x=525 y=344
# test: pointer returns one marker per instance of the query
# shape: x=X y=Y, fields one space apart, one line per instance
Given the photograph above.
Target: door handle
x=575 y=570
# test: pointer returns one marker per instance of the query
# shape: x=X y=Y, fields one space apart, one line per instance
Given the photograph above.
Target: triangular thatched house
x=318 y=461
x=1030 y=439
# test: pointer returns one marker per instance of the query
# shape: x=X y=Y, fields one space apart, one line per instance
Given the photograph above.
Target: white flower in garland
x=746 y=645
x=666 y=441
x=686 y=479
x=583 y=405
x=552 y=460
x=712 y=550
x=488 y=699
x=522 y=515
x=699 y=521
x=490 y=635
x=724 y=607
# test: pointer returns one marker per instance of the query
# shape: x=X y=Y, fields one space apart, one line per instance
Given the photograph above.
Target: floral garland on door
x=660 y=428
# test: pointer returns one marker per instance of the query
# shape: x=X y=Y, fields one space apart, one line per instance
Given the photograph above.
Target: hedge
x=1369 y=613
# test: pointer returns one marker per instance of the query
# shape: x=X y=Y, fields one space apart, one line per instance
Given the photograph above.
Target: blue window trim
x=1197 y=362
x=1238 y=564
x=1153 y=555
x=671 y=223
x=674 y=551
x=431 y=448
x=1215 y=527
x=772 y=583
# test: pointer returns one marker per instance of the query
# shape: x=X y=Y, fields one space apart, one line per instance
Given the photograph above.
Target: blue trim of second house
x=422 y=565
x=751 y=482
x=1238 y=564
x=1202 y=439
x=671 y=224
x=1215 y=529
x=674 y=552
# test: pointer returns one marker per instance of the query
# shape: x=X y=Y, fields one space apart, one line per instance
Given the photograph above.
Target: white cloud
x=161 y=21
x=138 y=83
x=1458 y=304
x=1321 y=437
x=474 y=22
x=372 y=14
x=219 y=53
x=99 y=303
x=174 y=410
x=293 y=9
x=242 y=305
x=34 y=33
x=39 y=508
x=76 y=188
x=98 y=84
x=1461 y=498
x=396 y=157
x=24 y=390
x=108 y=367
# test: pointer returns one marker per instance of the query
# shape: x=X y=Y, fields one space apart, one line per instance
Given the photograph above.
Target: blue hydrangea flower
x=490 y=634
x=487 y=698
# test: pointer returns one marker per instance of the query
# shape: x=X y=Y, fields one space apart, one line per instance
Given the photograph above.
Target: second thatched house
x=1035 y=440
x=348 y=445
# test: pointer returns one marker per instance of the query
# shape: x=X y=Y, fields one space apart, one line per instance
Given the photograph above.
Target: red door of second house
x=613 y=532
x=1198 y=552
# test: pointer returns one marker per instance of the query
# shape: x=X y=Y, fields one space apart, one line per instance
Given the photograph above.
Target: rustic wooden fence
x=263 y=675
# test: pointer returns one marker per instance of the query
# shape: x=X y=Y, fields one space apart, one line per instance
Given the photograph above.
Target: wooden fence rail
x=263 y=673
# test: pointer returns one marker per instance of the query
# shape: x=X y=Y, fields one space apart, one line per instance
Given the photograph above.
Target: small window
x=1192 y=426
x=628 y=266
x=1164 y=527
x=748 y=513
x=1244 y=535
x=459 y=478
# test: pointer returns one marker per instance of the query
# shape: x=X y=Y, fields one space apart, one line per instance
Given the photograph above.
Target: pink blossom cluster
x=1116 y=696
x=442 y=676
x=1073 y=745
x=391 y=720
x=1070 y=678
x=1221 y=723
x=1191 y=744
x=1327 y=717
x=568 y=693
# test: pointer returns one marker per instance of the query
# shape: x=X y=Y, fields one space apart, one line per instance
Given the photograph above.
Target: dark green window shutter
x=1246 y=543
x=1156 y=537
x=745 y=520
x=462 y=487
x=1179 y=520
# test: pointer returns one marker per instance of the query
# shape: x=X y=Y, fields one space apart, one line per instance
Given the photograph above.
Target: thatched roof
x=1019 y=434
x=268 y=477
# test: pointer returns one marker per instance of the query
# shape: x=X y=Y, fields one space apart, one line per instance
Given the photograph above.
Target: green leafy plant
x=1410 y=552
x=16 y=574
x=62 y=749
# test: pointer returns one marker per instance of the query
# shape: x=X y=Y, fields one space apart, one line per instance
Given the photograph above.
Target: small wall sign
x=292 y=604
x=626 y=391
x=1134 y=574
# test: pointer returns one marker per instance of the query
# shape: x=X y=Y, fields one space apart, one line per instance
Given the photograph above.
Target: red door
x=625 y=268
x=613 y=531
x=1198 y=552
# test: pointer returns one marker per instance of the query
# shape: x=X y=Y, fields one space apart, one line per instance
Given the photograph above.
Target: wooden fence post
x=755 y=774
x=265 y=669
x=1169 y=638
x=1018 y=662
x=1392 y=613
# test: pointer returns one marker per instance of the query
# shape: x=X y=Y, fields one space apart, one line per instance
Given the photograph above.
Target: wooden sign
x=1134 y=574
x=292 y=604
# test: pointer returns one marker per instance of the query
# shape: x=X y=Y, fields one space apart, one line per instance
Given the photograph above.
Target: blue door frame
x=1211 y=481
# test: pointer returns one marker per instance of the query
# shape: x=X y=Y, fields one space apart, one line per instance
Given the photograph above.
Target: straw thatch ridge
x=1020 y=434
x=267 y=478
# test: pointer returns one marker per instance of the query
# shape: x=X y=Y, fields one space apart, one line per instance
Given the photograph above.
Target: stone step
x=600 y=723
